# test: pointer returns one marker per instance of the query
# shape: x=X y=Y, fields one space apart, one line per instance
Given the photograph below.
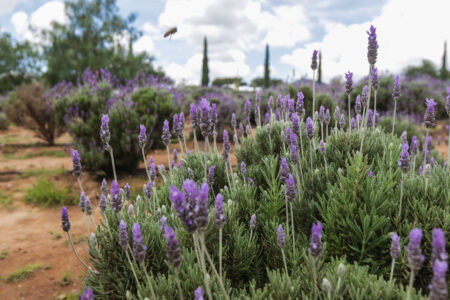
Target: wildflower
x=205 y=122
x=375 y=82
x=127 y=190
x=104 y=188
x=175 y=156
x=198 y=294
x=322 y=147
x=214 y=116
x=414 y=145
x=396 y=91
x=173 y=250
x=370 y=173
x=290 y=104
x=447 y=102
x=201 y=210
x=415 y=256
x=336 y=113
x=395 y=246
x=438 y=252
x=327 y=117
x=250 y=181
x=190 y=192
x=281 y=237
x=243 y=168
x=295 y=124
x=309 y=128
x=175 y=123
x=353 y=123
x=123 y=235
x=288 y=135
x=372 y=47
x=142 y=138
x=116 y=198
x=88 y=206
x=65 y=223
x=139 y=247
x=219 y=214
x=226 y=146
x=326 y=285
x=166 y=136
x=211 y=176
x=253 y=222
x=358 y=106
x=349 y=82
x=284 y=170
x=342 y=121
x=300 y=105
x=194 y=115
x=314 y=60
x=82 y=202
x=88 y=294
x=76 y=171
x=294 y=155
x=290 y=191
x=365 y=96
x=429 y=113
x=102 y=204
x=152 y=170
x=438 y=286
x=277 y=114
x=246 y=113
x=148 y=189
x=104 y=131
x=293 y=139
x=181 y=122
x=233 y=120
x=403 y=162
x=369 y=118
x=322 y=114
x=404 y=137
x=377 y=119
x=248 y=129
x=315 y=243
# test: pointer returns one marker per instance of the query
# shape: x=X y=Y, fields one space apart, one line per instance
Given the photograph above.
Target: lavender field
x=119 y=180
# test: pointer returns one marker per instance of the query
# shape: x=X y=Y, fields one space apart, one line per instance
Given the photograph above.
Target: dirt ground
x=31 y=234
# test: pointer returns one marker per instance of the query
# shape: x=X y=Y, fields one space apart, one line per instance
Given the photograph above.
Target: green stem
x=314 y=93
x=374 y=107
x=349 y=112
x=112 y=162
x=293 y=229
x=93 y=222
x=393 y=121
x=401 y=196
x=76 y=253
x=315 y=278
x=220 y=252
x=152 y=292
x=87 y=223
x=168 y=157
x=392 y=271
x=195 y=140
x=310 y=155
x=132 y=269
x=180 y=292
x=145 y=163
x=284 y=261
x=411 y=281
x=181 y=147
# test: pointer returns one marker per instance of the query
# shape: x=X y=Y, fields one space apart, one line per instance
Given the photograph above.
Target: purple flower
x=142 y=138
x=322 y=148
x=365 y=96
x=327 y=117
x=104 y=130
x=447 y=102
x=377 y=118
x=309 y=128
x=148 y=189
x=76 y=164
x=372 y=47
x=139 y=247
x=288 y=135
x=396 y=91
x=375 y=82
x=246 y=114
x=152 y=170
x=430 y=120
x=358 y=106
x=414 y=145
x=253 y=222
x=322 y=114
x=403 y=162
x=173 y=250
x=201 y=209
x=314 y=60
x=88 y=206
x=293 y=139
x=353 y=123
x=127 y=190
x=348 y=83
x=116 y=202
x=182 y=209
x=243 y=168
x=342 y=121
x=194 y=116
x=284 y=170
x=102 y=203
x=415 y=257
x=370 y=118
x=277 y=114
x=294 y=155
x=290 y=191
x=82 y=202
x=395 y=246
x=438 y=287
x=233 y=120
x=175 y=157
x=123 y=235
x=300 y=105
x=198 y=294
x=219 y=213
x=281 y=238
x=88 y=294
x=211 y=176
x=65 y=223
x=104 y=188
x=166 y=136
x=181 y=122
x=370 y=173
x=214 y=116
x=315 y=243
x=439 y=252
x=226 y=146
x=336 y=113
x=295 y=124
x=175 y=123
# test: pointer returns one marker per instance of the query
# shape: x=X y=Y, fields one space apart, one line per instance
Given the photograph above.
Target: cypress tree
x=319 y=72
x=443 y=72
x=266 y=68
x=205 y=69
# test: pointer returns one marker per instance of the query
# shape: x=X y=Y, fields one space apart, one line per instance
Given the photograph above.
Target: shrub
x=4 y=122
x=45 y=193
x=28 y=107
x=143 y=100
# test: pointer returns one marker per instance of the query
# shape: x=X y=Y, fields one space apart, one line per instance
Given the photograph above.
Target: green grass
x=52 y=153
x=45 y=193
x=42 y=172
x=22 y=272
x=66 y=278
x=3 y=254
x=6 y=200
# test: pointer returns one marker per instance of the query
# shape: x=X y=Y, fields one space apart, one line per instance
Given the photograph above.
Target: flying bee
x=170 y=32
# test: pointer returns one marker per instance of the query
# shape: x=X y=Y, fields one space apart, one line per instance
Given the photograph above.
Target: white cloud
x=145 y=44
x=407 y=30
x=20 y=22
x=7 y=6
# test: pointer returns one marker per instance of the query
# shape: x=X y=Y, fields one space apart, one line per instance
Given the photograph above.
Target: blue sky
x=237 y=31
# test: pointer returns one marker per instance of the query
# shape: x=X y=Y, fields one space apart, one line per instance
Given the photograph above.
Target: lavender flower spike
x=104 y=131
x=253 y=222
x=104 y=188
x=321 y=113
x=173 y=250
x=430 y=120
x=182 y=209
x=375 y=82
x=314 y=60
x=102 y=203
x=284 y=170
x=88 y=294
x=194 y=115
x=166 y=136
x=201 y=209
x=349 y=83
x=365 y=96
x=198 y=294
x=76 y=164
x=395 y=246
x=211 y=176
x=243 y=168
x=372 y=47
x=127 y=190
x=396 y=91
x=438 y=252
x=342 y=121
x=294 y=155
x=123 y=235
x=148 y=189
x=315 y=244
x=226 y=146
x=219 y=213
x=438 y=287
x=290 y=191
x=82 y=202
x=403 y=162
x=139 y=247
x=281 y=237
x=309 y=128
x=116 y=202
x=415 y=256
x=65 y=223
x=358 y=106
x=142 y=137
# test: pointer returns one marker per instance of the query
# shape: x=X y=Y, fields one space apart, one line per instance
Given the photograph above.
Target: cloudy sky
x=237 y=31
